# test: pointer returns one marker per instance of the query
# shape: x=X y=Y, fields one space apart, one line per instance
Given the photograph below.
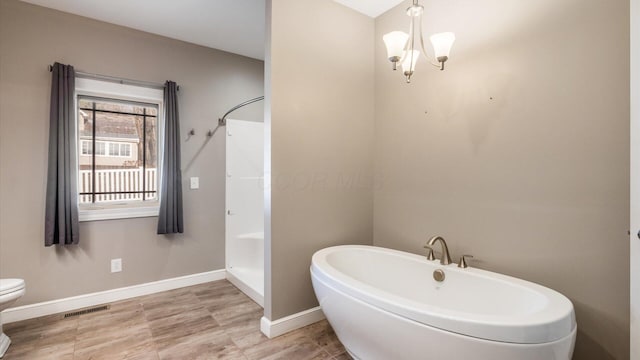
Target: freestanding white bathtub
x=385 y=304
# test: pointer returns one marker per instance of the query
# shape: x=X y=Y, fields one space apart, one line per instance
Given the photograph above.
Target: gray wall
x=518 y=153
x=321 y=131
x=210 y=82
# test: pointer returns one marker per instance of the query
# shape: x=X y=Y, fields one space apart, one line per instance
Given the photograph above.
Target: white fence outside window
x=117 y=180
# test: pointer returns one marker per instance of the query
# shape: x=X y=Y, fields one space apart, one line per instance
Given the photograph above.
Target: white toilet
x=10 y=291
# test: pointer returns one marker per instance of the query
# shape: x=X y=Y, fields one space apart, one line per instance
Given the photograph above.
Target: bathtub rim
x=547 y=326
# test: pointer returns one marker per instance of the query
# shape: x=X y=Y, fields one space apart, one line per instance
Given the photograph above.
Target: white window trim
x=108 y=212
x=121 y=210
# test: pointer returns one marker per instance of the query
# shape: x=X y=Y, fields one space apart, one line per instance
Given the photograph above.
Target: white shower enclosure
x=244 y=252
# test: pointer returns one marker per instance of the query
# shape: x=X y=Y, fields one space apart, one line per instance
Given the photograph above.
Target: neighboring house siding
x=109 y=161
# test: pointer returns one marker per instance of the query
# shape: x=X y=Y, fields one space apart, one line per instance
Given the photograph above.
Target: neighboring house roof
x=111 y=126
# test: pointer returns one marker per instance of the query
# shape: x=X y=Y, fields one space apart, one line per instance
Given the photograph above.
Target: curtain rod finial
x=50 y=67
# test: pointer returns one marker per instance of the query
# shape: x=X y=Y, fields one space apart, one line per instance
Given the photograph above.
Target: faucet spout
x=446 y=258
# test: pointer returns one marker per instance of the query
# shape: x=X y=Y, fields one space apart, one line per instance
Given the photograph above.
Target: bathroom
x=517 y=153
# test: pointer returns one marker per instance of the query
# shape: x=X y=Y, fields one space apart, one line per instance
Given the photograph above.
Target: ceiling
x=236 y=26
x=372 y=8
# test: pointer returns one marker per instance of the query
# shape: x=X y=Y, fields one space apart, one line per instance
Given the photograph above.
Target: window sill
x=106 y=213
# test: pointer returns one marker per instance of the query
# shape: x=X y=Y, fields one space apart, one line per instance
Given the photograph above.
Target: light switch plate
x=116 y=265
x=194 y=183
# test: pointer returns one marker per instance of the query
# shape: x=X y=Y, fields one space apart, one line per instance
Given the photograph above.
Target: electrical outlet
x=116 y=265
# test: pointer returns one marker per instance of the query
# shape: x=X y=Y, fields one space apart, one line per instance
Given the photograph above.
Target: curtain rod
x=118 y=80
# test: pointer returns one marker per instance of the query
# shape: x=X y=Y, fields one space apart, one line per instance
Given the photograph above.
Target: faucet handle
x=463 y=262
x=430 y=255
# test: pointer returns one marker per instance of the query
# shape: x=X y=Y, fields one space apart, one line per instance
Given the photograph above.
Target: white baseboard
x=289 y=323
x=82 y=301
x=246 y=289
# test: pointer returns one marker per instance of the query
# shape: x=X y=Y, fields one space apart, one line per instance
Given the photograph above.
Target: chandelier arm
x=424 y=51
x=409 y=45
x=412 y=37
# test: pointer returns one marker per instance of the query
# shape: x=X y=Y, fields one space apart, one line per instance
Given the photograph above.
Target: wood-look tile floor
x=209 y=321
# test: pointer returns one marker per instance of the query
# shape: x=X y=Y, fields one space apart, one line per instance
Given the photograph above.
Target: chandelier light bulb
x=409 y=63
x=395 y=42
x=442 y=43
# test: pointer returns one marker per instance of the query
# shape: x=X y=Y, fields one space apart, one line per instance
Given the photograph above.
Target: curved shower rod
x=223 y=120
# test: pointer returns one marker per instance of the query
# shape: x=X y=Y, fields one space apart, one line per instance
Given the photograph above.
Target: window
x=125 y=150
x=100 y=148
x=115 y=149
x=119 y=151
x=86 y=148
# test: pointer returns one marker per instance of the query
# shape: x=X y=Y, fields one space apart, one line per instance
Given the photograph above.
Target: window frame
x=123 y=92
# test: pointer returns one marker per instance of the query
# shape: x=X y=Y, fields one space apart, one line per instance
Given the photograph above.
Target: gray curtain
x=170 y=217
x=61 y=208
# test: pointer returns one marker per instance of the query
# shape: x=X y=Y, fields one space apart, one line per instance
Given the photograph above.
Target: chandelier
x=401 y=47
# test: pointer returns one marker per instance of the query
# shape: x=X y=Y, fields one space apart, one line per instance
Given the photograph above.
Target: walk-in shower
x=244 y=252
